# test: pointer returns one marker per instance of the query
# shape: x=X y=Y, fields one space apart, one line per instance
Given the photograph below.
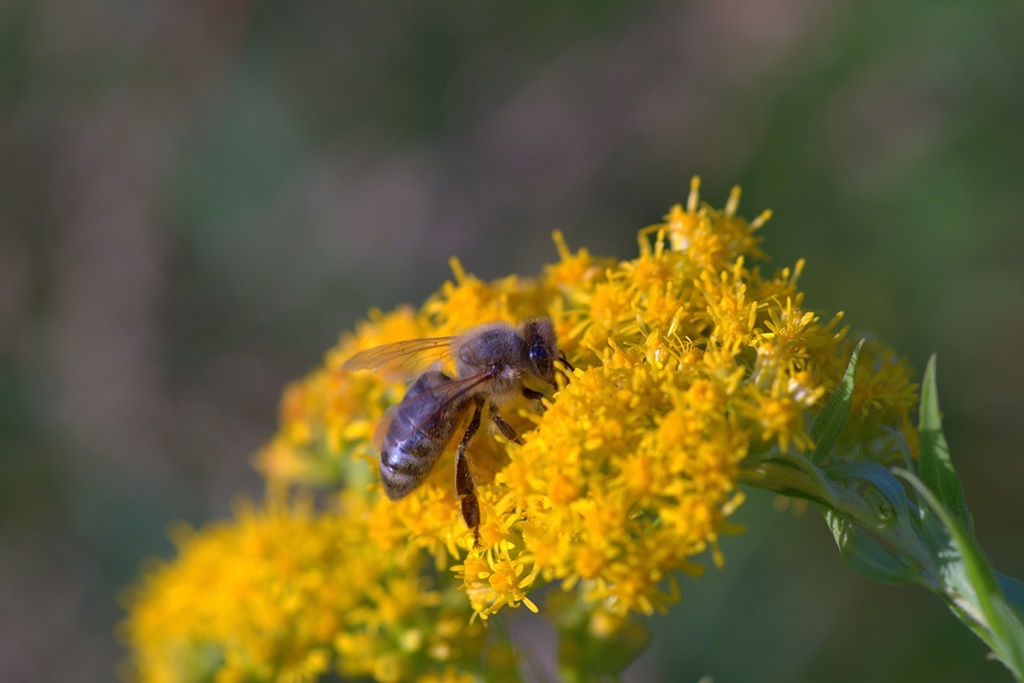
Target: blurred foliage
x=196 y=197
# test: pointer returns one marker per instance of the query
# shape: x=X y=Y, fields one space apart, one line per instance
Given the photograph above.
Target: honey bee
x=493 y=362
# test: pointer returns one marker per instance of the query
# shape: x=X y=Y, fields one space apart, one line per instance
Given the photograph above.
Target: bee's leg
x=532 y=395
x=464 y=486
x=505 y=428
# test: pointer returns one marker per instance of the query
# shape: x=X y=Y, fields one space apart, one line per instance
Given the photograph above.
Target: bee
x=493 y=364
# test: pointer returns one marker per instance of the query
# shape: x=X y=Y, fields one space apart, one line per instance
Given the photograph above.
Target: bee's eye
x=541 y=360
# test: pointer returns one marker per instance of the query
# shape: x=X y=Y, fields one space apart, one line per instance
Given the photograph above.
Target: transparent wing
x=401 y=360
x=428 y=406
x=383 y=426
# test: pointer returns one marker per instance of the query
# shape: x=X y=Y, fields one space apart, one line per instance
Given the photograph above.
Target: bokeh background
x=197 y=196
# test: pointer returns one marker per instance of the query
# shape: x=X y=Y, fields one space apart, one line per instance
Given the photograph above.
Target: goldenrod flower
x=690 y=364
x=285 y=594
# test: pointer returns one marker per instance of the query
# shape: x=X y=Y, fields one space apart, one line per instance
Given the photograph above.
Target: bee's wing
x=383 y=426
x=401 y=360
x=427 y=406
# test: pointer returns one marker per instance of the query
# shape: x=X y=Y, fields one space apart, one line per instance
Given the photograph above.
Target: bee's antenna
x=565 y=361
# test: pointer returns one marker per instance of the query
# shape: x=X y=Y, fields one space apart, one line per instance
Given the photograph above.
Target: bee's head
x=542 y=347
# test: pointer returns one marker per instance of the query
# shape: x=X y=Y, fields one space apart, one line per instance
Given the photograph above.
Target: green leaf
x=1001 y=624
x=833 y=417
x=936 y=466
x=863 y=554
x=867 y=548
x=881 y=478
x=1014 y=592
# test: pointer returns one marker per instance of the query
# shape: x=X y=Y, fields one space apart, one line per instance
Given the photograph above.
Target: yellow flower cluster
x=690 y=363
x=284 y=594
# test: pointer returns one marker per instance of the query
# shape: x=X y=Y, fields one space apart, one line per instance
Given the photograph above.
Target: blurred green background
x=196 y=197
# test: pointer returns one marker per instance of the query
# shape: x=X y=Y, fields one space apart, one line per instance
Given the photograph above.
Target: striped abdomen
x=421 y=427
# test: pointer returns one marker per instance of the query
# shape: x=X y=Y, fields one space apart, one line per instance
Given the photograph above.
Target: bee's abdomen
x=397 y=482
x=419 y=433
x=403 y=465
